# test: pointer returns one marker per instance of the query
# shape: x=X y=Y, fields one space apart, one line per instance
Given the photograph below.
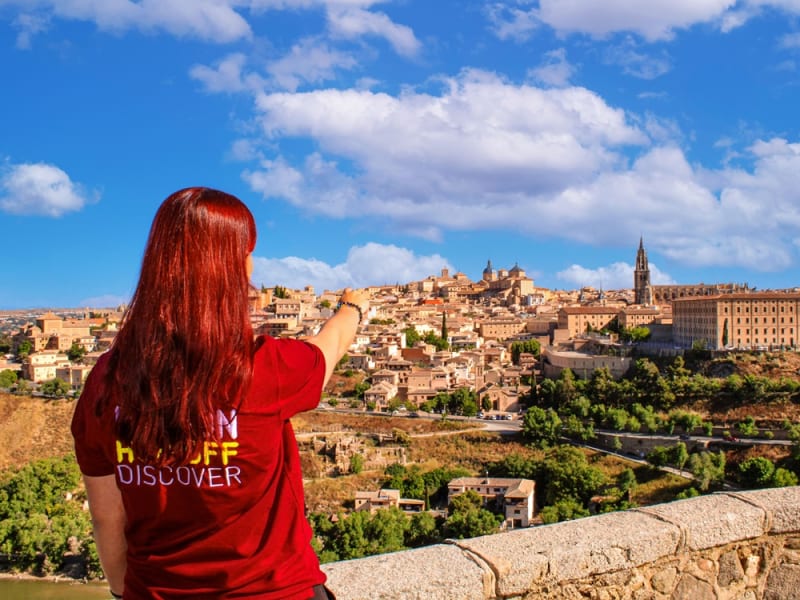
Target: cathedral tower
x=643 y=291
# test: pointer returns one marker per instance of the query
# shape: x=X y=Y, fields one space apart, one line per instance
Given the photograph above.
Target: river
x=26 y=589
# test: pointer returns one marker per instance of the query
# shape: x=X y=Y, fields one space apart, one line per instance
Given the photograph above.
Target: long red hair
x=185 y=348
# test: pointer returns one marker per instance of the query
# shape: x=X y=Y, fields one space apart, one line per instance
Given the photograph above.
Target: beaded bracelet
x=342 y=303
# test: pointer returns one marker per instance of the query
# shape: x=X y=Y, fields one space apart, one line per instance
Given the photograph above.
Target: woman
x=182 y=431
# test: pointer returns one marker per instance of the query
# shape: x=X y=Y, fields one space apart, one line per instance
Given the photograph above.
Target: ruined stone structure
x=728 y=546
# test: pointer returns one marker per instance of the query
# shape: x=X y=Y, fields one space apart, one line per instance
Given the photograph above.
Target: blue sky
x=379 y=141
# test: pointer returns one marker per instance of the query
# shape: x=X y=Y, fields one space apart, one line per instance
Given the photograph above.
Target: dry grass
x=327 y=421
x=33 y=428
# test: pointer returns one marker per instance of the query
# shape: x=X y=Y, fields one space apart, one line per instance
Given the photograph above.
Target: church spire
x=643 y=291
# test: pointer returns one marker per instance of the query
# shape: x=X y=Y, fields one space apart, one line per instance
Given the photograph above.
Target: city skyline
x=377 y=142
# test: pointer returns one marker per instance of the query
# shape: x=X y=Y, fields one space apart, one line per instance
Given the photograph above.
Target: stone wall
x=727 y=546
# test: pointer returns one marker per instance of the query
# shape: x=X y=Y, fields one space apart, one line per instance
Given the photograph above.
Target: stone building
x=748 y=321
x=577 y=320
x=514 y=495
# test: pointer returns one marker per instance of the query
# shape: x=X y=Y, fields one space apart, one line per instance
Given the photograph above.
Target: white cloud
x=352 y=22
x=309 y=61
x=473 y=156
x=217 y=21
x=29 y=25
x=209 y=20
x=655 y=20
x=616 y=276
x=555 y=70
x=39 y=189
x=636 y=63
x=225 y=76
x=658 y=21
x=370 y=264
x=790 y=40
x=510 y=22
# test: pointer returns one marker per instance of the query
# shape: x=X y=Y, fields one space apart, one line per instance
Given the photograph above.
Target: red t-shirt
x=231 y=524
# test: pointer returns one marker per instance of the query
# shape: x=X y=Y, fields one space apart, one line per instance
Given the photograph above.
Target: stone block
x=691 y=588
x=782 y=506
x=730 y=569
x=664 y=580
x=523 y=559
x=443 y=572
x=783 y=583
x=709 y=521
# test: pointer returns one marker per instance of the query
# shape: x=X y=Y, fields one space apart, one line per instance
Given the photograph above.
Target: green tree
x=422 y=530
x=708 y=469
x=756 y=472
x=563 y=510
x=356 y=464
x=412 y=336
x=526 y=347
x=360 y=388
x=24 y=349
x=55 y=388
x=747 y=427
x=541 y=427
x=680 y=455
x=566 y=473
x=76 y=352
x=280 y=292
x=467 y=518
x=7 y=378
x=783 y=478
x=626 y=481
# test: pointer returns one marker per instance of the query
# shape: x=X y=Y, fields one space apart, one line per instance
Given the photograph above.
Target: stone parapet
x=727 y=546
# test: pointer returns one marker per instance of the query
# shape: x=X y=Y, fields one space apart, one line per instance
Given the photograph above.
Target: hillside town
x=446 y=332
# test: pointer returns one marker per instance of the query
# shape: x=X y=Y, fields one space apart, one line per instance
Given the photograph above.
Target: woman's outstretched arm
x=339 y=331
x=108 y=522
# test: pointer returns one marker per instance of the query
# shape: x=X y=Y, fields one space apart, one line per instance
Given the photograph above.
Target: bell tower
x=643 y=291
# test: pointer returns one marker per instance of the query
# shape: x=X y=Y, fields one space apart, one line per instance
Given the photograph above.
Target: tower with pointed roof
x=643 y=291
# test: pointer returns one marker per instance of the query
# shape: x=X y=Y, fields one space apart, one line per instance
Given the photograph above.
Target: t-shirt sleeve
x=88 y=433
x=301 y=370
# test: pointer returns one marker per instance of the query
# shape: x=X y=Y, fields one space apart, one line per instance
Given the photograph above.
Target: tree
x=563 y=510
x=756 y=472
x=566 y=473
x=7 y=378
x=55 y=388
x=708 y=468
x=360 y=388
x=280 y=292
x=24 y=349
x=444 y=325
x=748 y=427
x=541 y=427
x=526 y=347
x=356 y=464
x=627 y=480
x=680 y=455
x=76 y=352
x=468 y=519
x=412 y=336
x=422 y=530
